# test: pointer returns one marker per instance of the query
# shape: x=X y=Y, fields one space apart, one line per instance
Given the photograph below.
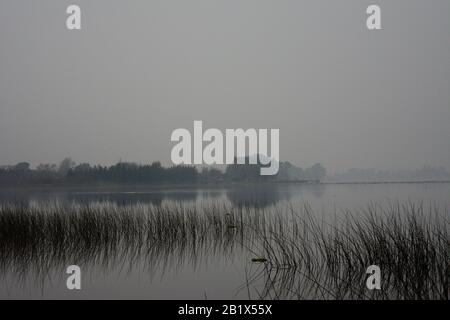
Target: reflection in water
x=200 y=234
x=129 y=198
x=266 y=195
x=103 y=238
x=39 y=240
x=260 y=196
x=293 y=255
x=121 y=197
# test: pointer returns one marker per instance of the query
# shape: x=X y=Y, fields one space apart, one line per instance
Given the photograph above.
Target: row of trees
x=68 y=172
x=124 y=172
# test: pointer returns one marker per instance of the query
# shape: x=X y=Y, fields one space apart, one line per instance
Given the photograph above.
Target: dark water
x=211 y=274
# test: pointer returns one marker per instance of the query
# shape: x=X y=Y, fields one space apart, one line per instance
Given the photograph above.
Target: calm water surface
x=210 y=275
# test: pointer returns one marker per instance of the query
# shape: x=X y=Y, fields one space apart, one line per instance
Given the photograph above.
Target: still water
x=210 y=274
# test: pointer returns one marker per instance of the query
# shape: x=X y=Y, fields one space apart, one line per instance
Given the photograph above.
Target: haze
x=340 y=94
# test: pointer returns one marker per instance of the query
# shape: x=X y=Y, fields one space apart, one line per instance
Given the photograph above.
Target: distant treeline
x=68 y=172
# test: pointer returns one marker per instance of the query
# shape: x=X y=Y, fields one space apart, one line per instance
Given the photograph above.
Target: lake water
x=209 y=275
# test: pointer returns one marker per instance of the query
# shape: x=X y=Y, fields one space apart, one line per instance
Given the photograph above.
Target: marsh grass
x=40 y=238
x=293 y=255
x=317 y=260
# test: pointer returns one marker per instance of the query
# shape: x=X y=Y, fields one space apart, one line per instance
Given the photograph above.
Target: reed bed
x=294 y=254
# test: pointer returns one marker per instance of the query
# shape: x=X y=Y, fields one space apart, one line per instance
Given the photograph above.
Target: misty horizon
x=289 y=171
x=115 y=90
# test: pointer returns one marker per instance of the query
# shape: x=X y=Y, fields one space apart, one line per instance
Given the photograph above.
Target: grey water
x=210 y=275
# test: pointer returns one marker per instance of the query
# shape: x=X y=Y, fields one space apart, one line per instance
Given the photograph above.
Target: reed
x=294 y=254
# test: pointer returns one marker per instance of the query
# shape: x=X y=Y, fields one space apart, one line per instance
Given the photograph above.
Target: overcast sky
x=340 y=94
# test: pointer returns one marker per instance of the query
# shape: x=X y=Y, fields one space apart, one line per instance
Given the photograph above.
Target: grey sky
x=340 y=94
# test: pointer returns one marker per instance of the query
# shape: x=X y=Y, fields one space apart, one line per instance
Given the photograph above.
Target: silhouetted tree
x=65 y=166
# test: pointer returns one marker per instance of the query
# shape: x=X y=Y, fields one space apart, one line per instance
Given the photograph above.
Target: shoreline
x=168 y=186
